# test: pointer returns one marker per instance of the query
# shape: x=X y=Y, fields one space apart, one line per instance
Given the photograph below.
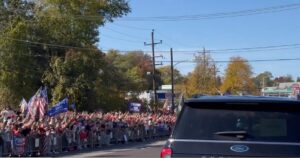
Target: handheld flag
x=60 y=107
x=23 y=106
x=38 y=103
x=31 y=106
x=44 y=102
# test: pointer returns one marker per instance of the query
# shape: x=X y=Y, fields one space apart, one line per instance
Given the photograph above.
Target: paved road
x=140 y=150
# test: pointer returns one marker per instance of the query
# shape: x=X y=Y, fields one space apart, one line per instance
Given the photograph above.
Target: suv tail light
x=166 y=153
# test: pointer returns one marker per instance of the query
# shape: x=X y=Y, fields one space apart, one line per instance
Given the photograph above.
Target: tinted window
x=204 y=123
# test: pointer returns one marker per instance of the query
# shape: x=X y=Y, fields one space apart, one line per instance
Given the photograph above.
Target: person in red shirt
x=83 y=137
x=16 y=131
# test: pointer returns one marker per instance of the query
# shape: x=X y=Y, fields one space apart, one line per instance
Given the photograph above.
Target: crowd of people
x=77 y=130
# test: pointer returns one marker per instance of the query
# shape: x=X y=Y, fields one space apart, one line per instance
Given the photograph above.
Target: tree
x=20 y=70
x=281 y=79
x=165 y=74
x=85 y=78
x=34 y=33
x=203 y=78
x=298 y=79
x=238 y=77
x=263 y=80
x=133 y=66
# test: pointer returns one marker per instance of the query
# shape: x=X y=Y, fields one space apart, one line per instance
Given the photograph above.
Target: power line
x=127 y=51
x=246 y=49
x=49 y=56
x=213 y=15
x=248 y=12
x=124 y=34
x=47 y=44
x=226 y=61
x=253 y=51
x=242 y=51
x=217 y=51
x=131 y=27
x=296 y=45
x=33 y=43
x=121 y=39
x=230 y=50
x=168 y=44
x=165 y=36
x=259 y=47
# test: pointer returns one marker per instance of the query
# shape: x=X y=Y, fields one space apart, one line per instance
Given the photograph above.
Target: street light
x=172 y=78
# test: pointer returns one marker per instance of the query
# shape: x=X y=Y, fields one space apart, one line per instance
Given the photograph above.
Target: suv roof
x=248 y=99
x=236 y=126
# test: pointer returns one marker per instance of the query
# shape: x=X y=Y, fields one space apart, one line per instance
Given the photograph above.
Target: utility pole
x=205 y=72
x=204 y=58
x=263 y=85
x=215 y=76
x=204 y=51
x=172 y=80
x=153 y=61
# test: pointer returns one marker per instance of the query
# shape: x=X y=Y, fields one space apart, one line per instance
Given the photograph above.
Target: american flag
x=43 y=102
x=38 y=103
x=32 y=106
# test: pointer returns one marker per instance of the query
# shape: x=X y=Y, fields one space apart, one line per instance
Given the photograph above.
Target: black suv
x=236 y=126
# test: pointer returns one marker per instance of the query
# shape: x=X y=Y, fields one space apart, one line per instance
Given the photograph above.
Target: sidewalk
x=112 y=148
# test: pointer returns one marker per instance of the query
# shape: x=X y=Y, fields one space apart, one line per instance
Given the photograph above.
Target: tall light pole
x=172 y=80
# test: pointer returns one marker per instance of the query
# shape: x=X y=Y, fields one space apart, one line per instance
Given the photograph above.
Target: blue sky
x=268 y=29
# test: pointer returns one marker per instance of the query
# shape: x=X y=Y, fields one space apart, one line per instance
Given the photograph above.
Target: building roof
x=283 y=88
x=276 y=90
x=287 y=84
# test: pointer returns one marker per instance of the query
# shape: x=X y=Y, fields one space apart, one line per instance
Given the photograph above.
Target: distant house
x=286 y=89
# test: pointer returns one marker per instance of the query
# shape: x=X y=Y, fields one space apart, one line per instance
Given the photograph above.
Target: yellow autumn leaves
x=204 y=79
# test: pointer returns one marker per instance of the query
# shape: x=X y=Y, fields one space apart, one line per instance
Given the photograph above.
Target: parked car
x=236 y=126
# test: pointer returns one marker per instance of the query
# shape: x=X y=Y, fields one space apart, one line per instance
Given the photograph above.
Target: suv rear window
x=253 y=124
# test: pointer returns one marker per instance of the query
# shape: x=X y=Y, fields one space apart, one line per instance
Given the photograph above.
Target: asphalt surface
x=149 y=149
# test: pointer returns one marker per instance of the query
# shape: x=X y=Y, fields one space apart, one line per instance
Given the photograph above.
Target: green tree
x=133 y=66
x=238 y=77
x=264 y=79
x=25 y=27
x=165 y=74
x=20 y=72
x=85 y=78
